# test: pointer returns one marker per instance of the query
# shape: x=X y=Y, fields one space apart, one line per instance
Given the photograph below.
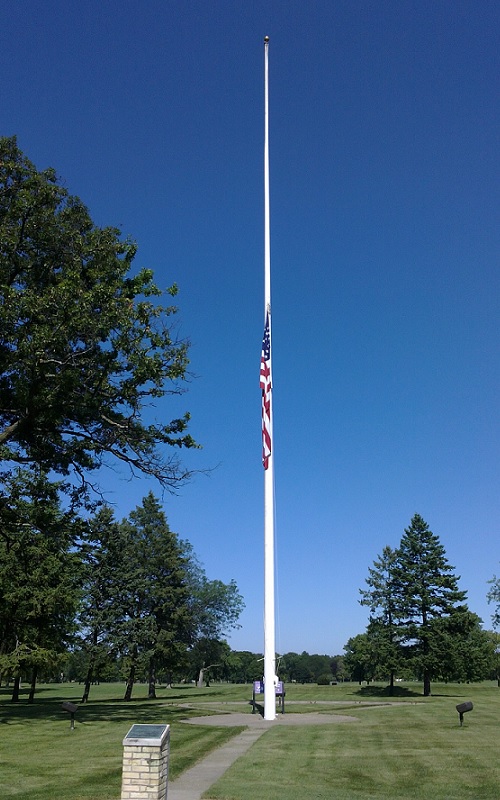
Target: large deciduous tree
x=84 y=344
x=359 y=659
x=464 y=650
x=216 y=608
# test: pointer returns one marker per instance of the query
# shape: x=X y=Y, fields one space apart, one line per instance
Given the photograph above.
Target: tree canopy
x=382 y=597
x=84 y=344
x=493 y=596
x=40 y=577
x=146 y=598
x=87 y=348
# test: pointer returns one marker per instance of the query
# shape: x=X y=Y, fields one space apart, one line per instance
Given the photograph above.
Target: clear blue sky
x=385 y=240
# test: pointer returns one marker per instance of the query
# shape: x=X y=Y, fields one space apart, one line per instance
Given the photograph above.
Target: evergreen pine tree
x=383 y=598
x=429 y=592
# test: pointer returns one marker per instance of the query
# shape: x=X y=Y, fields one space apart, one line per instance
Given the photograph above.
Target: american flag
x=265 y=385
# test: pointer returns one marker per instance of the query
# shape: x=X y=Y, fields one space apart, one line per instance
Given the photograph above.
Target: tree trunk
x=152 y=679
x=15 y=690
x=391 y=683
x=34 y=676
x=131 y=674
x=426 y=648
x=90 y=671
x=88 y=681
x=200 y=678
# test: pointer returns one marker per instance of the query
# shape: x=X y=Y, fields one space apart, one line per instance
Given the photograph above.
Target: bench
x=279 y=691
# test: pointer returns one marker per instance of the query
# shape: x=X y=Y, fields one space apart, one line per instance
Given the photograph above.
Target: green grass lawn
x=42 y=759
x=414 y=749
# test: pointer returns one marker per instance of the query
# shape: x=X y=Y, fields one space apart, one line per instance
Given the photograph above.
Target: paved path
x=195 y=781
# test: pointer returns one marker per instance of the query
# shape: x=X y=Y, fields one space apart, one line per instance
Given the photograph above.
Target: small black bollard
x=72 y=709
x=462 y=708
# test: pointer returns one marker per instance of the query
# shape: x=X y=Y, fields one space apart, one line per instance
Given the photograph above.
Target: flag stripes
x=265 y=385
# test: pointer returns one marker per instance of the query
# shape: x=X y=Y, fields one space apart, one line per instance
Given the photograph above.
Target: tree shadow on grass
x=402 y=692
x=6 y=691
x=72 y=692
x=113 y=710
x=385 y=692
x=183 y=697
x=138 y=711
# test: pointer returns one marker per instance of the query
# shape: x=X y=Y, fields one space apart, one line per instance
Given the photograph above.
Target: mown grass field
x=407 y=747
x=42 y=759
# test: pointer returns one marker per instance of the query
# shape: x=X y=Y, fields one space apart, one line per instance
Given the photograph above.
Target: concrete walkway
x=195 y=781
x=192 y=784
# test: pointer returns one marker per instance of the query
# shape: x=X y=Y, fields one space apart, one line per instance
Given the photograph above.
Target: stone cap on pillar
x=147 y=735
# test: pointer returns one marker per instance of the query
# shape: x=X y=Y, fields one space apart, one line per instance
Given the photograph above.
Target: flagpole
x=269 y=613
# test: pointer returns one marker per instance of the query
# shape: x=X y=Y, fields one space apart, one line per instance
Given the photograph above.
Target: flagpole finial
x=266 y=39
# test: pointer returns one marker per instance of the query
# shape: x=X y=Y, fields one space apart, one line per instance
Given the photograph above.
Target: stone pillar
x=145 y=762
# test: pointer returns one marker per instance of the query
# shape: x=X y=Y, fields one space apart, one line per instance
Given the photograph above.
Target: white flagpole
x=269 y=621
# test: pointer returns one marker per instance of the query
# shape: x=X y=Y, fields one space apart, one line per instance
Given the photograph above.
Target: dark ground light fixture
x=462 y=709
x=71 y=708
